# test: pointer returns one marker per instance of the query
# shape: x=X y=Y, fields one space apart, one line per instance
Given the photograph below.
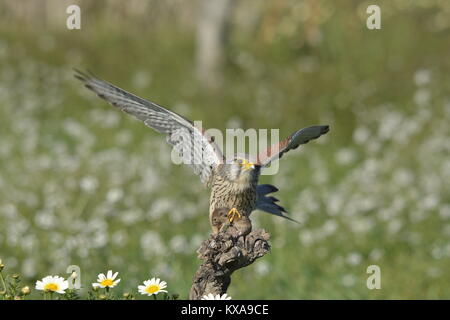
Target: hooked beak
x=248 y=165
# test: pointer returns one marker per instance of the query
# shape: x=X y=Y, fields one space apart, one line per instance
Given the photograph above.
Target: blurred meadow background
x=82 y=183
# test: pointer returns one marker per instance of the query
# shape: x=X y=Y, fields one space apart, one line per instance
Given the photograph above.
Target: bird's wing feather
x=267 y=203
x=299 y=137
x=194 y=146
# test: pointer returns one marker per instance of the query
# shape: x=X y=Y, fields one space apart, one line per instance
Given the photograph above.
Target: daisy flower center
x=152 y=288
x=51 y=287
x=106 y=283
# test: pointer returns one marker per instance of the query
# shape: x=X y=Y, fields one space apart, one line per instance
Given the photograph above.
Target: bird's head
x=242 y=170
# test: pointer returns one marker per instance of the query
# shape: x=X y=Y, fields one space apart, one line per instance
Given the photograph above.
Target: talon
x=232 y=214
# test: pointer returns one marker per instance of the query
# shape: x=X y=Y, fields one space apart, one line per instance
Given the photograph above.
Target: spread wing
x=193 y=145
x=299 y=137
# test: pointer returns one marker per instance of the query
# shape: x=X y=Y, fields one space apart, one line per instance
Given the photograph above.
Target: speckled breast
x=223 y=196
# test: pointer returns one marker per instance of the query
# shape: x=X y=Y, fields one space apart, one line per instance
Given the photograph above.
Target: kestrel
x=233 y=182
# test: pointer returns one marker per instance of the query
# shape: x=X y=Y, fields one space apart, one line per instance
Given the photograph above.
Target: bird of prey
x=234 y=181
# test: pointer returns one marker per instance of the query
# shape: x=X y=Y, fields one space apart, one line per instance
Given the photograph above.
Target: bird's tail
x=268 y=203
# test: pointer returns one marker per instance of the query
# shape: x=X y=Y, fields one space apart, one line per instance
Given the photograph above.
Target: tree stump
x=235 y=246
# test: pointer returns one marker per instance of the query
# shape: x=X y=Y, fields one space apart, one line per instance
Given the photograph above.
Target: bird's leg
x=232 y=214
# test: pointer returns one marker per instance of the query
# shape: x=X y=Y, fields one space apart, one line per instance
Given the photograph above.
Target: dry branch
x=235 y=246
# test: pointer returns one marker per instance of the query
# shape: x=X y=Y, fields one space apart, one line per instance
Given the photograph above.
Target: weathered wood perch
x=235 y=246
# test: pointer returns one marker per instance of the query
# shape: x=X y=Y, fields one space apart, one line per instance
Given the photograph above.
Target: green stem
x=3 y=281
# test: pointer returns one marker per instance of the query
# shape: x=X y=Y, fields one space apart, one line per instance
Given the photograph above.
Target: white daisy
x=210 y=296
x=52 y=284
x=153 y=286
x=108 y=281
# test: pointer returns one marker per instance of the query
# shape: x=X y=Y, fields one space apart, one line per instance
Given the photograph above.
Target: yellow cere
x=246 y=164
